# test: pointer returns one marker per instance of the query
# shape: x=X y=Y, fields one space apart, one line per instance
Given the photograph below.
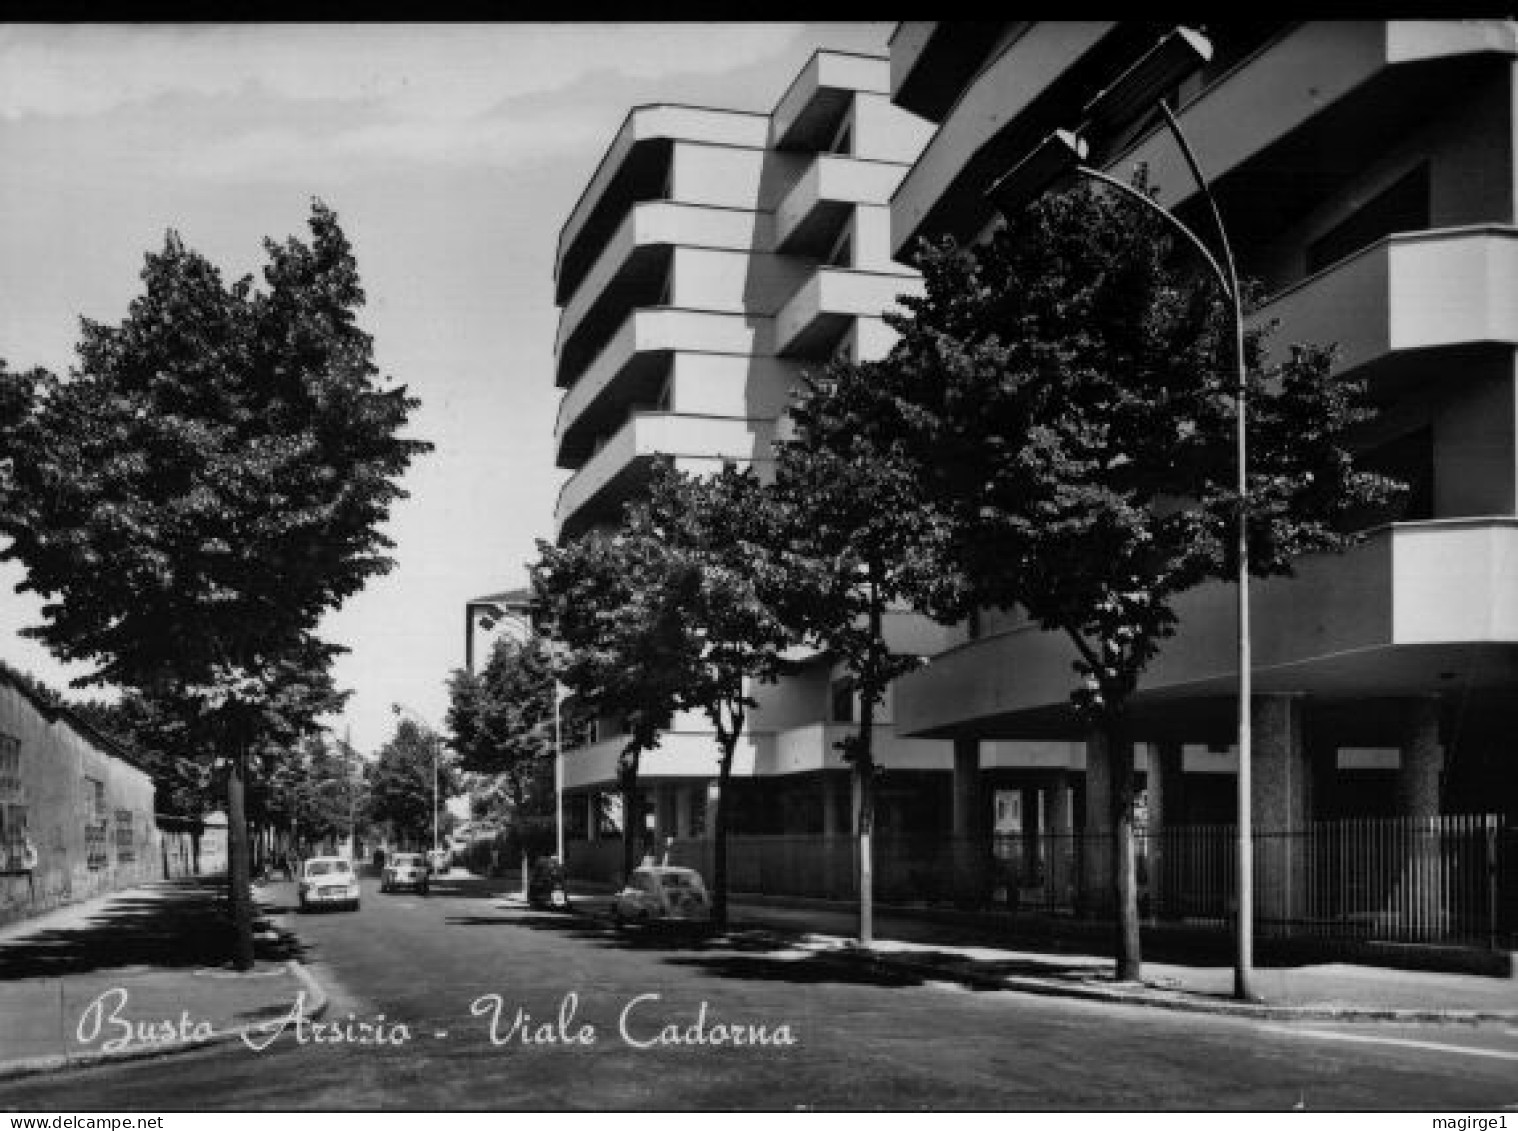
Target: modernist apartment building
x=713 y=257
x=1366 y=173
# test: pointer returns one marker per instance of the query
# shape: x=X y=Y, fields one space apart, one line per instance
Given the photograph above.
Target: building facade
x=76 y=813
x=713 y=257
x=1366 y=175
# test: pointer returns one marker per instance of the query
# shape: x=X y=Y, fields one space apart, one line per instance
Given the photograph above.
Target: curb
x=93 y=1058
x=1154 y=999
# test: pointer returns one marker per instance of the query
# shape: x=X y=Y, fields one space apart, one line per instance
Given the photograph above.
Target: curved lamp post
x=434 y=742
x=1062 y=154
x=486 y=612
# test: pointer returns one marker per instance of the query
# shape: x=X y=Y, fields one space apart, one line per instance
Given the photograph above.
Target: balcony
x=1414 y=606
x=634 y=168
x=638 y=252
x=633 y=361
x=797 y=750
x=811 y=323
x=619 y=469
x=1413 y=291
x=680 y=754
x=810 y=112
x=813 y=214
x=1324 y=100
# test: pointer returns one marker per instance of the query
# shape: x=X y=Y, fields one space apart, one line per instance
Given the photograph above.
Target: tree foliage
x=623 y=650
x=401 y=782
x=204 y=486
x=1064 y=394
x=502 y=721
x=857 y=538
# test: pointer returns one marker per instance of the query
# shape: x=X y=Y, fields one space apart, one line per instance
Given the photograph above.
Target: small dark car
x=546 y=885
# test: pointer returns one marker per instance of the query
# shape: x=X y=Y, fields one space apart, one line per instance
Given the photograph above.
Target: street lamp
x=435 y=743
x=1062 y=153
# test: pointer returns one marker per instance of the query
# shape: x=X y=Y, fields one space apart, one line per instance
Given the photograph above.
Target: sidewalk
x=923 y=950
x=153 y=956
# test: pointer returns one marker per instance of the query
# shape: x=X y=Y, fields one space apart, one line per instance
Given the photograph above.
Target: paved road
x=608 y=1019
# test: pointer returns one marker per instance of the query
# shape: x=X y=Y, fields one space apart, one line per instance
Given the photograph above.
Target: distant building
x=76 y=811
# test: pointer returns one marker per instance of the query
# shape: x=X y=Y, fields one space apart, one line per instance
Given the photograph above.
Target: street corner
x=108 y=1016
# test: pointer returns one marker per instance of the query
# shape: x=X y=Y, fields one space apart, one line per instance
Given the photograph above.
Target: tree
x=401 y=782
x=858 y=537
x=502 y=720
x=208 y=482
x=622 y=647
x=722 y=588
x=1065 y=396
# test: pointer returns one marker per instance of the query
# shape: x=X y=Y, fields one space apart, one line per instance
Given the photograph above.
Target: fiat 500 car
x=405 y=870
x=662 y=895
x=328 y=881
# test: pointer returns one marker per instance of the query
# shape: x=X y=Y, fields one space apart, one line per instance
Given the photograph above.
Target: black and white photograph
x=577 y=566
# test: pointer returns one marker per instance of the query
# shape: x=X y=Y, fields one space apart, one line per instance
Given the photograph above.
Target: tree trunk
x=719 y=833
x=632 y=815
x=238 y=876
x=1124 y=869
x=864 y=770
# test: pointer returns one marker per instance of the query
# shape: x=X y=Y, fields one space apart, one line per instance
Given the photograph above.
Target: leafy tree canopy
x=502 y=719
x=1065 y=395
x=400 y=782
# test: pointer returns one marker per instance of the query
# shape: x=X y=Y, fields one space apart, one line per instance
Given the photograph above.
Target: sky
x=452 y=154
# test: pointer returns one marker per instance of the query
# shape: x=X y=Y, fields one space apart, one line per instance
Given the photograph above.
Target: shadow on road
x=186 y=924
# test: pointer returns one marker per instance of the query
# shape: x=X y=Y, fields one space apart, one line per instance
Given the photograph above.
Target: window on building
x=95 y=824
x=12 y=806
x=1403 y=207
x=841 y=697
x=126 y=844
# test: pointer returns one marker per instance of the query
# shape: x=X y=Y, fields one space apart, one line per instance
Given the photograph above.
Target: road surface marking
x=1400 y=1042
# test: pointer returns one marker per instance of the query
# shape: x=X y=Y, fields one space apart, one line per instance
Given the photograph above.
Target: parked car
x=405 y=870
x=545 y=887
x=662 y=894
x=327 y=881
x=439 y=860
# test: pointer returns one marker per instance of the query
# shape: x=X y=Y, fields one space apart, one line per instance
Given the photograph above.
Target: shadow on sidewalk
x=187 y=923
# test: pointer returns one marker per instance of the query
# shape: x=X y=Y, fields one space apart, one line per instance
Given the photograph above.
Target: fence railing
x=1445 y=879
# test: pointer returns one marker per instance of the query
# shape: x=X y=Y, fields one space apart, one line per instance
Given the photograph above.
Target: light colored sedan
x=662 y=894
x=328 y=881
x=405 y=870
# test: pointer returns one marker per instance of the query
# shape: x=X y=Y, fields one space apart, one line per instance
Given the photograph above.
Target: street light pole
x=1138 y=90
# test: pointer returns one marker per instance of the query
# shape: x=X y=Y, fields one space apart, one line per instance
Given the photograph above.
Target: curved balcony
x=620 y=468
x=1412 y=291
x=811 y=110
x=1412 y=607
x=635 y=167
x=1325 y=98
x=810 y=324
x=812 y=215
x=638 y=252
x=633 y=361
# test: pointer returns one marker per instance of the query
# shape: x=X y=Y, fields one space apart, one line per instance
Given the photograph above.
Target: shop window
x=1403 y=207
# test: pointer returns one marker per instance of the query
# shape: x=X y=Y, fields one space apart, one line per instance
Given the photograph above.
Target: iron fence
x=1443 y=879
